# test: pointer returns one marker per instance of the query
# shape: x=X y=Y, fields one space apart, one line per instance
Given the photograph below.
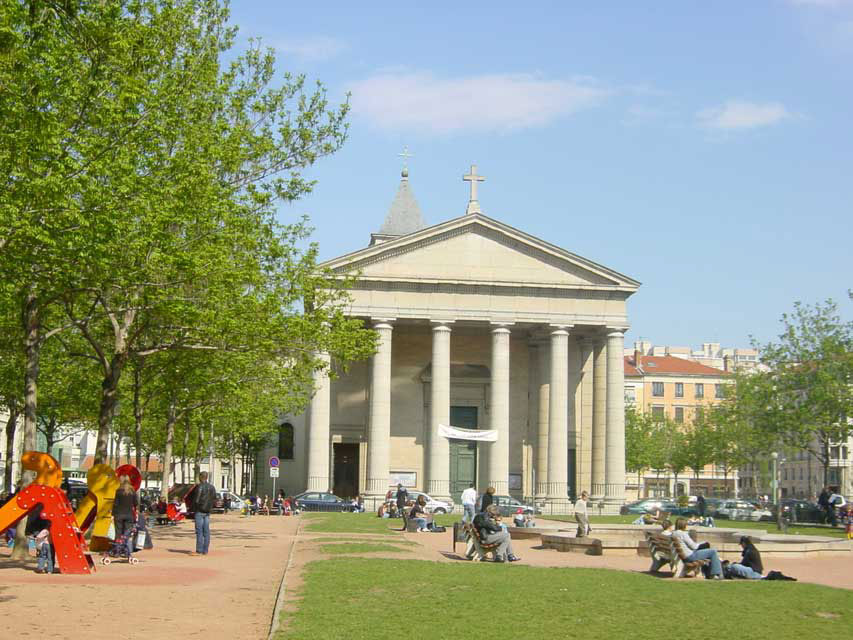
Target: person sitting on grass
x=750 y=565
x=418 y=514
x=488 y=526
x=697 y=552
x=655 y=517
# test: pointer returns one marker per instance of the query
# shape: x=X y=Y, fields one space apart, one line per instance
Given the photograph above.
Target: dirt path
x=230 y=593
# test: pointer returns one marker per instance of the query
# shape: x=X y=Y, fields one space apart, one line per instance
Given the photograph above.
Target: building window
x=657 y=413
x=679 y=389
x=285 y=441
x=630 y=395
x=679 y=415
x=718 y=391
x=844 y=453
x=700 y=390
x=657 y=389
x=833 y=452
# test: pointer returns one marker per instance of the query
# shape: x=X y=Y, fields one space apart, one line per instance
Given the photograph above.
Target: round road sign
x=273 y=461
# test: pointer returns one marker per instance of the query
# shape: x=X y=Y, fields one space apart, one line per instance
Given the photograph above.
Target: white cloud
x=312 y=49
x=399 y=100
x=739 y=115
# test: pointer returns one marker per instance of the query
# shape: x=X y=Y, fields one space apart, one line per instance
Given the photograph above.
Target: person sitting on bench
x=697 y=552
x=490 y=530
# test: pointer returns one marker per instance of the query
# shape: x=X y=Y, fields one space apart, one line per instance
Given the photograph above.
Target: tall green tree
x=811 y=372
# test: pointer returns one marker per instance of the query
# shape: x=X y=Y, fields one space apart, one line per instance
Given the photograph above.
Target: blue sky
x=703 y=148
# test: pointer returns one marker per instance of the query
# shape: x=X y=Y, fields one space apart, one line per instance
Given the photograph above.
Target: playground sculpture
x=67 y=526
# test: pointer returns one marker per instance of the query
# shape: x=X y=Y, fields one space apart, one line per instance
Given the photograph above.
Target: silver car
x=741 y=510
x=432 y=505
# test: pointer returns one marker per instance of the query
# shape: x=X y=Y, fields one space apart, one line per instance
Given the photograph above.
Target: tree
x=639 y=428
x=811 y=373
x=698 y=447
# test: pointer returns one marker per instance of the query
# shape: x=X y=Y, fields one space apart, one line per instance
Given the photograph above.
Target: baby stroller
x=122 y=548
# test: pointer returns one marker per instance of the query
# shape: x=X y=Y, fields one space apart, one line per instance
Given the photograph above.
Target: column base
x=317 y=483
x=501 y=487
x=439 y=489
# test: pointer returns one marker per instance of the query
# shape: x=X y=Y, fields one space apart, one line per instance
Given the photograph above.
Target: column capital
x=441 y=325
x=560 y=329
x=500 y=327
x=382 y=323
x=614 y=332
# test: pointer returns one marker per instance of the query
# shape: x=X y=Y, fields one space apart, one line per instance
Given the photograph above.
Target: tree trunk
x=167 y=455
x=32 y=351
x=185 y=445
x=137 y=420
x=197 y=462
x=147 y=465
x=11 y=427
x=109 y=403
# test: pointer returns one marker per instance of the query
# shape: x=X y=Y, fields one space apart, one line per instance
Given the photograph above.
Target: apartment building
x=711 y=354
x=678 y=388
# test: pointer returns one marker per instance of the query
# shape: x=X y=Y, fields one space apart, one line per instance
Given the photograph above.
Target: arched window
x=285 y=441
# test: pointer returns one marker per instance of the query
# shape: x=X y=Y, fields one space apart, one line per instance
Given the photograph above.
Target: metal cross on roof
x=405 y=156
x=473 y=178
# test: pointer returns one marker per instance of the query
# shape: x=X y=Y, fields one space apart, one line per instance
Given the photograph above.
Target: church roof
x=404 y=216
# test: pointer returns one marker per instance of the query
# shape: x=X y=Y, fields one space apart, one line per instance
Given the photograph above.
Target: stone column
x=558 y=446
x=543 y=384
x=498 y=460
x=615 y=470
x=599 y=418
x=379 y=425
x=586 y=403
x=438 y=485
x=318 y=430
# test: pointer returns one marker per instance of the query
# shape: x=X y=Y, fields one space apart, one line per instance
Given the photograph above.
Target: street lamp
x=774 y=477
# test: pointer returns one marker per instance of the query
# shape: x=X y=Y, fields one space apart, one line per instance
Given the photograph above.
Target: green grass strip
x=355 y=598
x=359 y=547
x=350 y=523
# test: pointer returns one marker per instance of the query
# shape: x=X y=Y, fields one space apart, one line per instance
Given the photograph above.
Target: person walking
x=700 y=505
x=582 y=515
x=469 y=503
x=402 y=498
x=823 y=503
x=125 y=506
x=203 y=498
x=488 y=498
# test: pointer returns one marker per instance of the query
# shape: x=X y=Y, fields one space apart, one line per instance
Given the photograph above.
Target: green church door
x=463 y=453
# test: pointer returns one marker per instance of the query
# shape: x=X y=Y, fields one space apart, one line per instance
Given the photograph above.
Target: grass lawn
x=770 y=527
x=359 y=547
x=351 y=523
x=357 y=598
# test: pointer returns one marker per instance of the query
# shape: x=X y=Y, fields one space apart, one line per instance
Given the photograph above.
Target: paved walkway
x=231 y=592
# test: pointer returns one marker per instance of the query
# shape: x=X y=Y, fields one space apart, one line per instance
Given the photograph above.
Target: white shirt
x=469 y=496
x=685 y=539
x=836 y=499
x=580 y=507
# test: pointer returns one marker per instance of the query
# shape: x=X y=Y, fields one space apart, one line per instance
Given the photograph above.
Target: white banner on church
x=468 y=434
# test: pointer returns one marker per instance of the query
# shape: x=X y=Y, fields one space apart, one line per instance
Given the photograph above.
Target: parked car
x=742 y=510
x=509 y=506
x=321 y=501
x=227 y=499
x=432 y=505
x=76 y=491
x=799 y=511
x=648 y=505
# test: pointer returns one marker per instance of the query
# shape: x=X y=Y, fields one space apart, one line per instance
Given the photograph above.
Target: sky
x=702 y=148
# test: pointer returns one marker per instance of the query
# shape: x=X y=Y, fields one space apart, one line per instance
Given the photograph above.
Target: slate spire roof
x=404 y=216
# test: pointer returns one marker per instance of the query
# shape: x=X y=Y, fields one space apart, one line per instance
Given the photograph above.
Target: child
x=44 y=552
x=848 y=515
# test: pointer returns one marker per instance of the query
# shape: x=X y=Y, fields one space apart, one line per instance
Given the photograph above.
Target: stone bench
x=565 y=542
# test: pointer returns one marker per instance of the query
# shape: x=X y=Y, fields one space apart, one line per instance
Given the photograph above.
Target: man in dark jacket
x=203 y=498
x=402 y=498
x=491 y=532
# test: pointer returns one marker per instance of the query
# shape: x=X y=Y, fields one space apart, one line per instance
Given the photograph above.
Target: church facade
x=499 y=363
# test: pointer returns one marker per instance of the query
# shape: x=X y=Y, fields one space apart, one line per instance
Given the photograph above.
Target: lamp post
x=774 y=477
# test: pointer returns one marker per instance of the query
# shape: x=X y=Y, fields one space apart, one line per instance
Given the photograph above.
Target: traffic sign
x=273 y=472
x=274 y=461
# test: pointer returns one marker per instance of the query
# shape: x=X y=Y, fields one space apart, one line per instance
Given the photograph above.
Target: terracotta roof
x=668 y=365
x=153 y=463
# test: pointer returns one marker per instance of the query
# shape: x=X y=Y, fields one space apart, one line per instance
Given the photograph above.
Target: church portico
x=511 y=340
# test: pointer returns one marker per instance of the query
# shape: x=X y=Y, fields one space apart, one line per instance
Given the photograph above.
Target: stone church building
x=499 y=362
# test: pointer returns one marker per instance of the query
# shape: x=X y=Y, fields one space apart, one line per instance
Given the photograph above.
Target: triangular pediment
x=477 y=249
